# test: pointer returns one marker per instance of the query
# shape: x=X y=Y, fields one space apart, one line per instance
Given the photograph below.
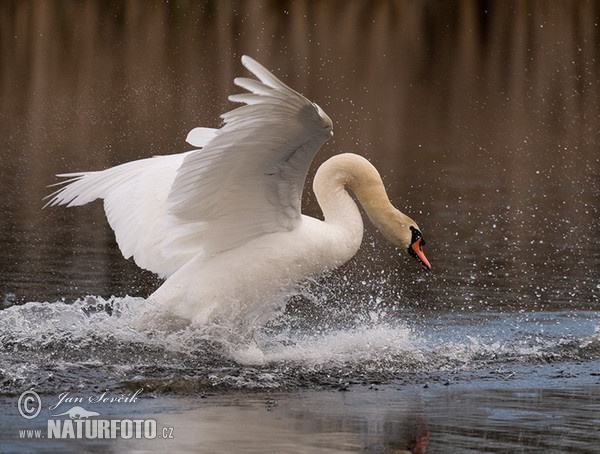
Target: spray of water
x=316 y=342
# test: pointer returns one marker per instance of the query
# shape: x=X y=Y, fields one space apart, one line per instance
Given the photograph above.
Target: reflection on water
x=480 y=417
x=483 y=122
x=388 y=420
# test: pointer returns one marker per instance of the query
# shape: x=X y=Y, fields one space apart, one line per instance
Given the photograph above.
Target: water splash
x=91 y=343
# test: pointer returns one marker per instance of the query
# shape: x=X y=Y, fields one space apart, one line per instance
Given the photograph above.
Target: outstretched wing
x=248 y=179
x=134 y=196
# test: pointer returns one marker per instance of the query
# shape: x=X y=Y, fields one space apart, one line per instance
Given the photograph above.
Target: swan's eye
x=416 y=235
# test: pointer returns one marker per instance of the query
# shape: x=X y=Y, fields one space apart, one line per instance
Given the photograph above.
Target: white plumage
x=223 y=223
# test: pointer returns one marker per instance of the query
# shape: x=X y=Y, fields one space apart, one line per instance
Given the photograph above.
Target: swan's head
x=402 y=231
x=354 y=172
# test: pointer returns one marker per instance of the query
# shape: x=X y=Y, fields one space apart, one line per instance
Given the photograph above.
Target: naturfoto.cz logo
x=77 y=422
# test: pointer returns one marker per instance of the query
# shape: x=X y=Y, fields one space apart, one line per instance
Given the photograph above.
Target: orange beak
x=416 y=250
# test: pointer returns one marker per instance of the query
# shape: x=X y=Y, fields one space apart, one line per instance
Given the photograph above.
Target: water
x=483 y=123
x=74 y=345
x=519 y=381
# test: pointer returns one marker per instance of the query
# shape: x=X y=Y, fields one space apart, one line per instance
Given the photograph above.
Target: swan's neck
x=352 y=172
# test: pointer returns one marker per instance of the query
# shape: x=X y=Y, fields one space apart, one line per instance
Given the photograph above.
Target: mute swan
x=223 y=224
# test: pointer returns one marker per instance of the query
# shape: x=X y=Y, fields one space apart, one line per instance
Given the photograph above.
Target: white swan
x=223 y=224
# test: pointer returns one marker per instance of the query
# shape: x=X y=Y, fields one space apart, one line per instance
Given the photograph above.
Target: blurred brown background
x=481 y=116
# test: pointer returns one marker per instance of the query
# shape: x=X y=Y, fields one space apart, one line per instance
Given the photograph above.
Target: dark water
x=483 y=120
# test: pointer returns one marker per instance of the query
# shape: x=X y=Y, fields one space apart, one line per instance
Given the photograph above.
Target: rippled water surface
x=483 y=123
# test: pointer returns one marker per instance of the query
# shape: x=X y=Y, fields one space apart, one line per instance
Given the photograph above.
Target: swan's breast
x=258 y=276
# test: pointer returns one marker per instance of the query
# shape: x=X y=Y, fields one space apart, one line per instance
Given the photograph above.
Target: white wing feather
x=199 y=137
x=247 y=181
x=134 y=196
